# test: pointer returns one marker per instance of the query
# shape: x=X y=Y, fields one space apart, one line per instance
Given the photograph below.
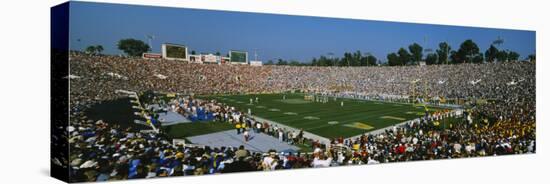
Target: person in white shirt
x=318 y=162
x=457 y=147
x=372 y=161
x=531 y=147
x=470 y=148
x=341 y=158
x=280 y=135
x=246 y=135
x=269 y=162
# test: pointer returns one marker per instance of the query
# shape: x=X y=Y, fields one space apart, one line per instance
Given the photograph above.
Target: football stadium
x=184 y=111
x=244 y=114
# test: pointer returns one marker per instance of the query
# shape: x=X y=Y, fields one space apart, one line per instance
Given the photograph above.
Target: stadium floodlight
x=499 y=41
x=255 y=54
x=149 y=40
x=330 y=54
x=368 y=54
x=427 y=50
x=446 y=51
x=81 y=46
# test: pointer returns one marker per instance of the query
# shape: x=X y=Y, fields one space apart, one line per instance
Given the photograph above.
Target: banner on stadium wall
x=151 y=56
x=195 y=59
x=255 y=63
x=210 y=58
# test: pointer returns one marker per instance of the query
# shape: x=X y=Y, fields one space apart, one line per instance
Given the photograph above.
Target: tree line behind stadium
x=413 y=54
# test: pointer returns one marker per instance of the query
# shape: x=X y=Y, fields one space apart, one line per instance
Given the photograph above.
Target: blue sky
x=273 y=36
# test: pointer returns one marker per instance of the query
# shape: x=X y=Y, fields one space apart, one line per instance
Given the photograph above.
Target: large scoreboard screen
x=174 y=51
x=238 y=57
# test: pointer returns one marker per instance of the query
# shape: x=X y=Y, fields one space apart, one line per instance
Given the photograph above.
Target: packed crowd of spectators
x=425 y=140
x=488 y=81
x=101 y=151
x=104 y=151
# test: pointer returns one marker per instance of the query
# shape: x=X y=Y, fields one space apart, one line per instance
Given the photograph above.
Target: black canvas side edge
x=59 y=99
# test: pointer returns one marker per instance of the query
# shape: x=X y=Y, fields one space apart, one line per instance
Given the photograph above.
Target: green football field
x=328 y=120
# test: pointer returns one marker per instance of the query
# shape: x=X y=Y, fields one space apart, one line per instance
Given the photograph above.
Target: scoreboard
x=175 y=52
x=238 y=57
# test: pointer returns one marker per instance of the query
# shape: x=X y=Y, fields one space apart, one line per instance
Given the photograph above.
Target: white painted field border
x=429 y=104
x=308 y=135
x=379 y=131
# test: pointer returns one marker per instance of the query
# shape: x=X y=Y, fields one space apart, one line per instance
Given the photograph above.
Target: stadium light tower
x=446 y=51
x=425 y=41
x=255 y=55
x=150 y=40
x=427 y=50
x=80 y=45
x=499 y=41
x=330 y=54
x=368 y=54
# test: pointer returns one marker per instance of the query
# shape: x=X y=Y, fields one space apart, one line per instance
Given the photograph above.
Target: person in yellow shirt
x=238 y=127
x=356 y=146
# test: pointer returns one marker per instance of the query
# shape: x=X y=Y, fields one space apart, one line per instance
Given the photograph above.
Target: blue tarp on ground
x=170 y=118
x=258 y=142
